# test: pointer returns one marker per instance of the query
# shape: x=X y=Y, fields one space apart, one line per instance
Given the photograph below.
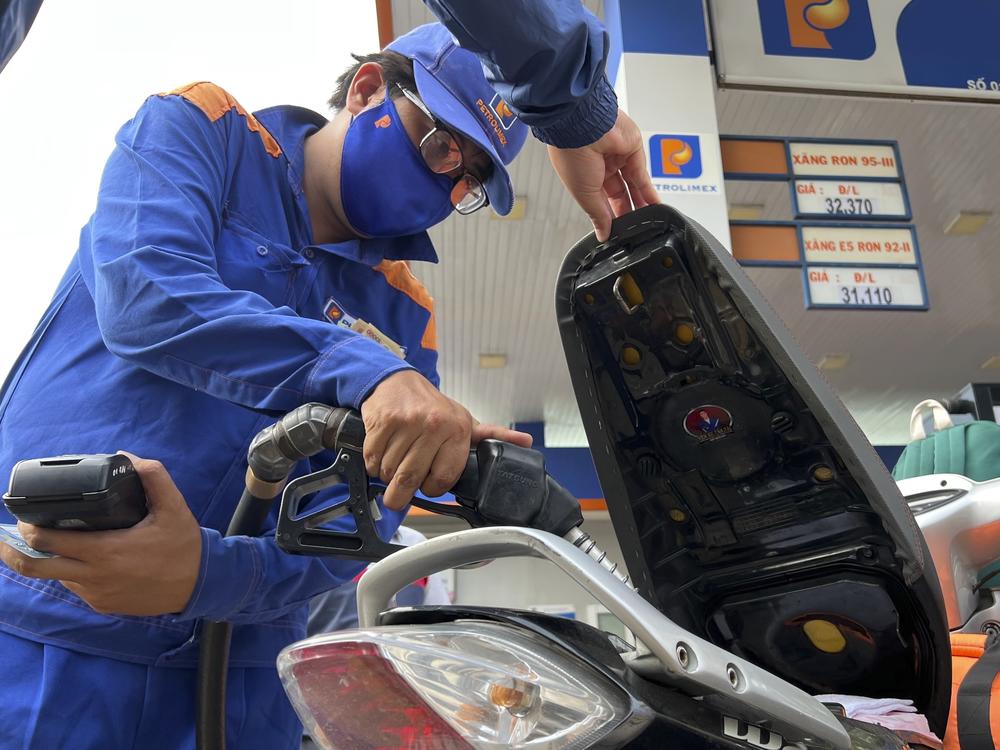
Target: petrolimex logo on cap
x=504 y=114
x=498 y=116
x=676 y=156
x=839 y=29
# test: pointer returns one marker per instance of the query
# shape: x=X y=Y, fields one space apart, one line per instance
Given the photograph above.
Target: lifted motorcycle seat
x=749 y=506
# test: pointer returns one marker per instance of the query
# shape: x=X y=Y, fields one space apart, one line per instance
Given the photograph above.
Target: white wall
x=86 y=67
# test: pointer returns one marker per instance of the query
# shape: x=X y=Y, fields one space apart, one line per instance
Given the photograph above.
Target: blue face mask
x=386 y=188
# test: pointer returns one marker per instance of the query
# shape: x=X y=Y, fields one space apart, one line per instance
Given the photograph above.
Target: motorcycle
x=960 y=519
x=771 y=556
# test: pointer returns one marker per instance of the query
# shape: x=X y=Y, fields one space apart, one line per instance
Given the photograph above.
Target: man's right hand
x=608 y=178
x=418 y=438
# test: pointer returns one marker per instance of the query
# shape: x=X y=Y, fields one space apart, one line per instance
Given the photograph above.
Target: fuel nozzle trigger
x=502 y=485
x=301 y=533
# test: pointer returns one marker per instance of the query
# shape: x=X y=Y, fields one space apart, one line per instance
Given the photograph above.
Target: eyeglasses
x=442 y=154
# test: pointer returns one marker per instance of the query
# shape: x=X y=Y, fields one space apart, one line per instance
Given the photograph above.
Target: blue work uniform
x=197 y=309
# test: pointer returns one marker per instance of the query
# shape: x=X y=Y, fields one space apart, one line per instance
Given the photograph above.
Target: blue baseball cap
x=451 y=82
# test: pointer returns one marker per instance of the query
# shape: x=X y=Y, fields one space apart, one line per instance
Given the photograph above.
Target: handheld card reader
x=85 y=492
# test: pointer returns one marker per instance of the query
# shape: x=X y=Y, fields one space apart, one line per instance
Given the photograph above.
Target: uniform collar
x=290 y=127
x=374 y=250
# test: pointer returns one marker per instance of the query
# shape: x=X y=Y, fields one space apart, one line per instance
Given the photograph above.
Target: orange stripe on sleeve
x=215 y=102
x=399 y=277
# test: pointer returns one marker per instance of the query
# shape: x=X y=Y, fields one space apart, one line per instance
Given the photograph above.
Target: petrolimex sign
x=918 y=48
x=682 y=163
x=837 y=29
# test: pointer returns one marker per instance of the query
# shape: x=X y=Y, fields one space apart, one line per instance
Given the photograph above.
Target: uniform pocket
x=250 y=261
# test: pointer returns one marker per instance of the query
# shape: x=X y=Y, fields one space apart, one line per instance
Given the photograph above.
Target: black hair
x=395 y=69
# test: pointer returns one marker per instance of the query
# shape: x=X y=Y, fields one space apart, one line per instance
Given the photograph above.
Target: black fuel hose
x=213 y=653
x=272 y=456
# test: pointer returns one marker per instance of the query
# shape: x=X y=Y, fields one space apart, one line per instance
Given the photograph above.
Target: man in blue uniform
x=238 y=265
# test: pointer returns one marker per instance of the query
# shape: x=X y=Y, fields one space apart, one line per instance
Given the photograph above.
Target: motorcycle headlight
x=457 y=686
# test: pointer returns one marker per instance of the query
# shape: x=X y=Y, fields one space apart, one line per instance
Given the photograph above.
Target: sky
x=84 y=70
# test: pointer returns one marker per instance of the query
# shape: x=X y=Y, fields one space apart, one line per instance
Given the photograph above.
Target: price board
x=848 y=237
x=864 y=287
x=850 y=199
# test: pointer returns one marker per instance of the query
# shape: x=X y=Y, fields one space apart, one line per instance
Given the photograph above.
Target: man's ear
x=367 y=88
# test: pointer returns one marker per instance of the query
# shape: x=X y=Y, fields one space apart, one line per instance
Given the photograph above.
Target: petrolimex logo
x=504 y=114
x=840 y=29
x=676 y=156
x=491 y=117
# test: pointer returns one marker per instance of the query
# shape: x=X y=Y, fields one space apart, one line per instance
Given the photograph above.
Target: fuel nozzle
x=507 y=485
x=502 y=485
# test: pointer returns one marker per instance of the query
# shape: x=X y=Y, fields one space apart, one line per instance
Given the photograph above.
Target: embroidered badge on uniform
x=336 y=314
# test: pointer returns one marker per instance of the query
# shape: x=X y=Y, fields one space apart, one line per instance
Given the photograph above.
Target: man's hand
x=609 y=177
x=419 y=438
x=149 y=569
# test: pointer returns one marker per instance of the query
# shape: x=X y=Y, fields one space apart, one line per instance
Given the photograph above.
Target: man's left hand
x=149 y=569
